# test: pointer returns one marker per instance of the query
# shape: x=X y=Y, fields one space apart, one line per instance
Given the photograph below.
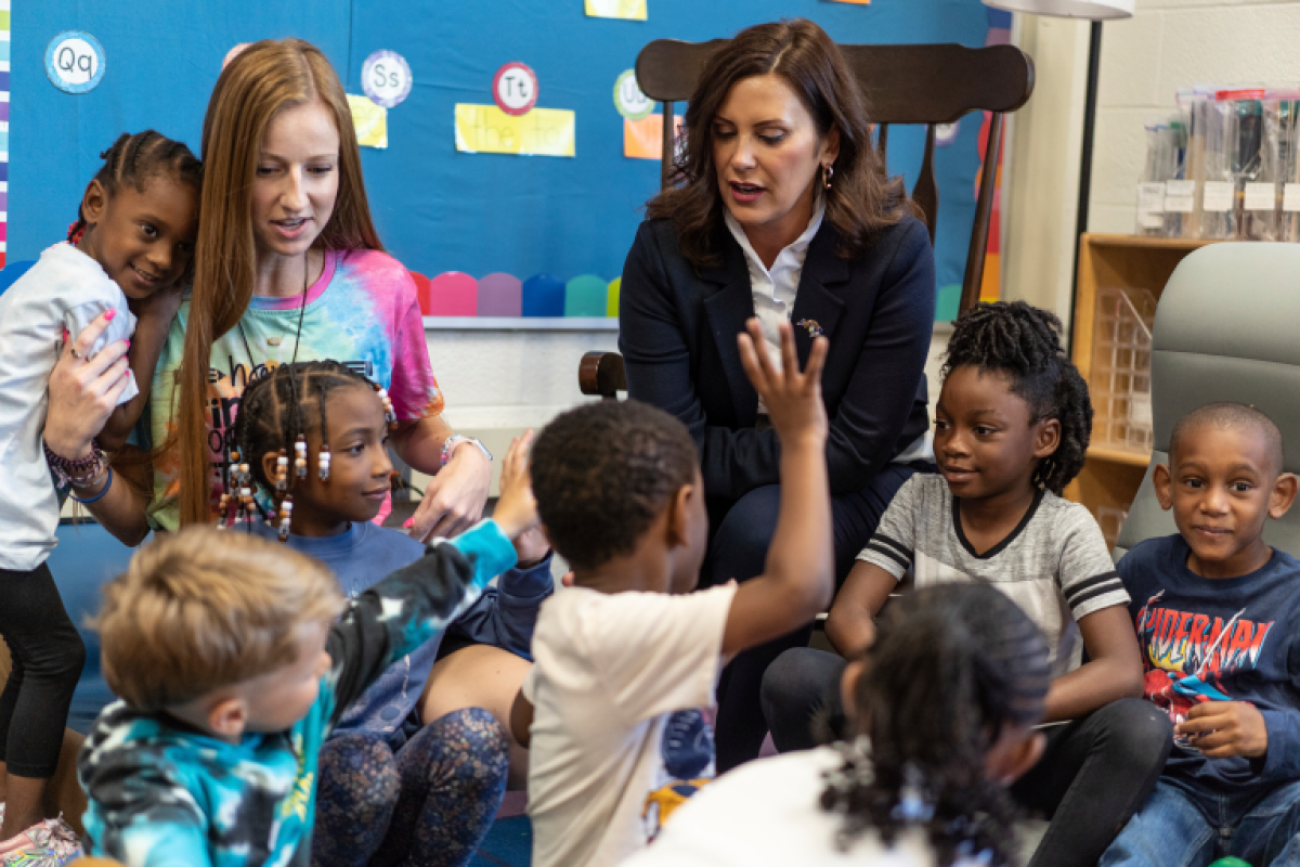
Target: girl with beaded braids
x=396 y=781
x=117 y=277
x=1011 y=429
x=288 y=266
x=941 y=718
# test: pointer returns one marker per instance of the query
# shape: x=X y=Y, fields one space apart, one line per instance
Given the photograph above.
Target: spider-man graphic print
x=1231 y=639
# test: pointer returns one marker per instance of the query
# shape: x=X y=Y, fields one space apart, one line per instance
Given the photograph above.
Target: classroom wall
x=1041 y=195
x=500 y=383
x=1169 y=44
x=439 y=209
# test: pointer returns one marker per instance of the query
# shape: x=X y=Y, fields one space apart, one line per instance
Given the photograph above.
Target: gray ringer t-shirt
x=1054 y=565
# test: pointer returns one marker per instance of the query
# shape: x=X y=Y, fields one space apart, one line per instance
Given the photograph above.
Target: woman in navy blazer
x=780 y=192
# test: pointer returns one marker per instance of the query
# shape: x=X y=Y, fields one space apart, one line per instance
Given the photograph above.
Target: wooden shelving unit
x=1112 y=475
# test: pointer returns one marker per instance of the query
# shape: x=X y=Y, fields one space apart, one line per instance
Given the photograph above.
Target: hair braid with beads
x=276 y=407
x=1024 y=343
x=951 y=667
x=135 y=160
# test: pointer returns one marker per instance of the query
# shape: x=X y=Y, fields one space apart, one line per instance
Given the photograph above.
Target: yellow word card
x=370 y=121
x=543 y=132
x=632 y=10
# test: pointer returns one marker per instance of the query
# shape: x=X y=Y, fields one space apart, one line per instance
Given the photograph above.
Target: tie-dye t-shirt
x=163 y=793
x=362 y=311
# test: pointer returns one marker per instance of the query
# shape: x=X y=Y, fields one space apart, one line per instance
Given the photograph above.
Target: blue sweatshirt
x=504 y=616
x=162 y=793
x=1225 y=639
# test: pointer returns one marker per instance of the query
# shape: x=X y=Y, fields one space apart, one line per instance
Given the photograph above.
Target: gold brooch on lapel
x=814 y=330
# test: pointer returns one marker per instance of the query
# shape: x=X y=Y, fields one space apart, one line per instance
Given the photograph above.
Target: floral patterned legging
x=430 y=803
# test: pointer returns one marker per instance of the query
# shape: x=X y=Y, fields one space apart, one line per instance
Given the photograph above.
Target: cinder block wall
x=1169 y=44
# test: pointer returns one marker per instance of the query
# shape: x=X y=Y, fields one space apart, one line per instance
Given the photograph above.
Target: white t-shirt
x=65 y=289
x=617 y=736
x=767 y=814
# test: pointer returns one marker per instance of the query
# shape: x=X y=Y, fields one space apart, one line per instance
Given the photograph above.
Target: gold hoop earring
x=828 y=172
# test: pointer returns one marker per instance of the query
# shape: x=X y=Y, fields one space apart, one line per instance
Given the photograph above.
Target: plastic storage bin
x=1121 y=369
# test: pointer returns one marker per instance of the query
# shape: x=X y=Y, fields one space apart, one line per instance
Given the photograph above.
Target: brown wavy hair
x=263 y=80
x=861 y=200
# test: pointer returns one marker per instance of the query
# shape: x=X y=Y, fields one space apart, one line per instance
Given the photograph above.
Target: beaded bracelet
x=83 y=482
x=102 y=492
x=71 y=472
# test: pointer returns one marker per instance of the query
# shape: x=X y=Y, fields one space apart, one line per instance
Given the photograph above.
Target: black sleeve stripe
x=1094 y=581
x=1075 y=604
x=893 y=543
x=884 y=551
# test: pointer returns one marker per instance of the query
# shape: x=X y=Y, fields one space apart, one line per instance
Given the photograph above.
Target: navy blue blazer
x=677 y=333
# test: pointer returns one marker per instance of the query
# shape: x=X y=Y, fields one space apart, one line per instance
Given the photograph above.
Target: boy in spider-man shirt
x=1217 y=611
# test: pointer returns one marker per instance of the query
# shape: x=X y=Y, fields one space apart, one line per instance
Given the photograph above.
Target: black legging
x=47 y=655
x=741 y=532
x=1093 y=776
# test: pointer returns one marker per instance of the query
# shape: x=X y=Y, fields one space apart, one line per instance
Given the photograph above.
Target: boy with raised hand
x=625 y=658
x=1217 y=613
x=232 y=669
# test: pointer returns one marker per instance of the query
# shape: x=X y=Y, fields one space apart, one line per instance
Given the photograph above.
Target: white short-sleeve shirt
x=617 y=684
x=767 y=814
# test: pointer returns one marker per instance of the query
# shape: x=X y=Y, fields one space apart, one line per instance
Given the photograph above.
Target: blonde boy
x=232 y=669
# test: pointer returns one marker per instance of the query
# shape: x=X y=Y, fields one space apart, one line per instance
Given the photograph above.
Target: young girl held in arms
x=315 y=436
x=1011 y=429
x=941 y=717
x=119 y=274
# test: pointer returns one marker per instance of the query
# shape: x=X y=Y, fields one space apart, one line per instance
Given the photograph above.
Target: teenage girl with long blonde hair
x=288 y=267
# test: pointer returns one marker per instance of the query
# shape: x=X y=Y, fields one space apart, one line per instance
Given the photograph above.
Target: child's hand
x=793 y=399
x=531 y=547
x=1225 y=728
x=516 y=510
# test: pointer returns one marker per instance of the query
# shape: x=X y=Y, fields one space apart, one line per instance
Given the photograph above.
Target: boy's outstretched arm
x=799 y=578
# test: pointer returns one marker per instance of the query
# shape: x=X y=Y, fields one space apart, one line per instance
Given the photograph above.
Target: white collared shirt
x=775 y=288
x=774 y=291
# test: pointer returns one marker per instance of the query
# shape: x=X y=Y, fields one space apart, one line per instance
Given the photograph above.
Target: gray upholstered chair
x=1227 y=328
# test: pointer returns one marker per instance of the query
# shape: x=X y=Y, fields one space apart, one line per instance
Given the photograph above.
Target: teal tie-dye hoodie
x=164 y=793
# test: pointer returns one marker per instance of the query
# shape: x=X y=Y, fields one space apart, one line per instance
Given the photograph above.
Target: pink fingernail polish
x=410 y=522
x=128 y=344
x=109 y=315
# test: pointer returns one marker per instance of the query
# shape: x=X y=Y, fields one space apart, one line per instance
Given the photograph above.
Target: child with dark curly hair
x=625 y=659
x=1011 y=430
x=942 y=720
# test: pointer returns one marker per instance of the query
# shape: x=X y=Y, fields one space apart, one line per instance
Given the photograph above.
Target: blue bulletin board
x=438 y=209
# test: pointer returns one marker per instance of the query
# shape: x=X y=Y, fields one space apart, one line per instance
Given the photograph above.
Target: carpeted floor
x=508 y=844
